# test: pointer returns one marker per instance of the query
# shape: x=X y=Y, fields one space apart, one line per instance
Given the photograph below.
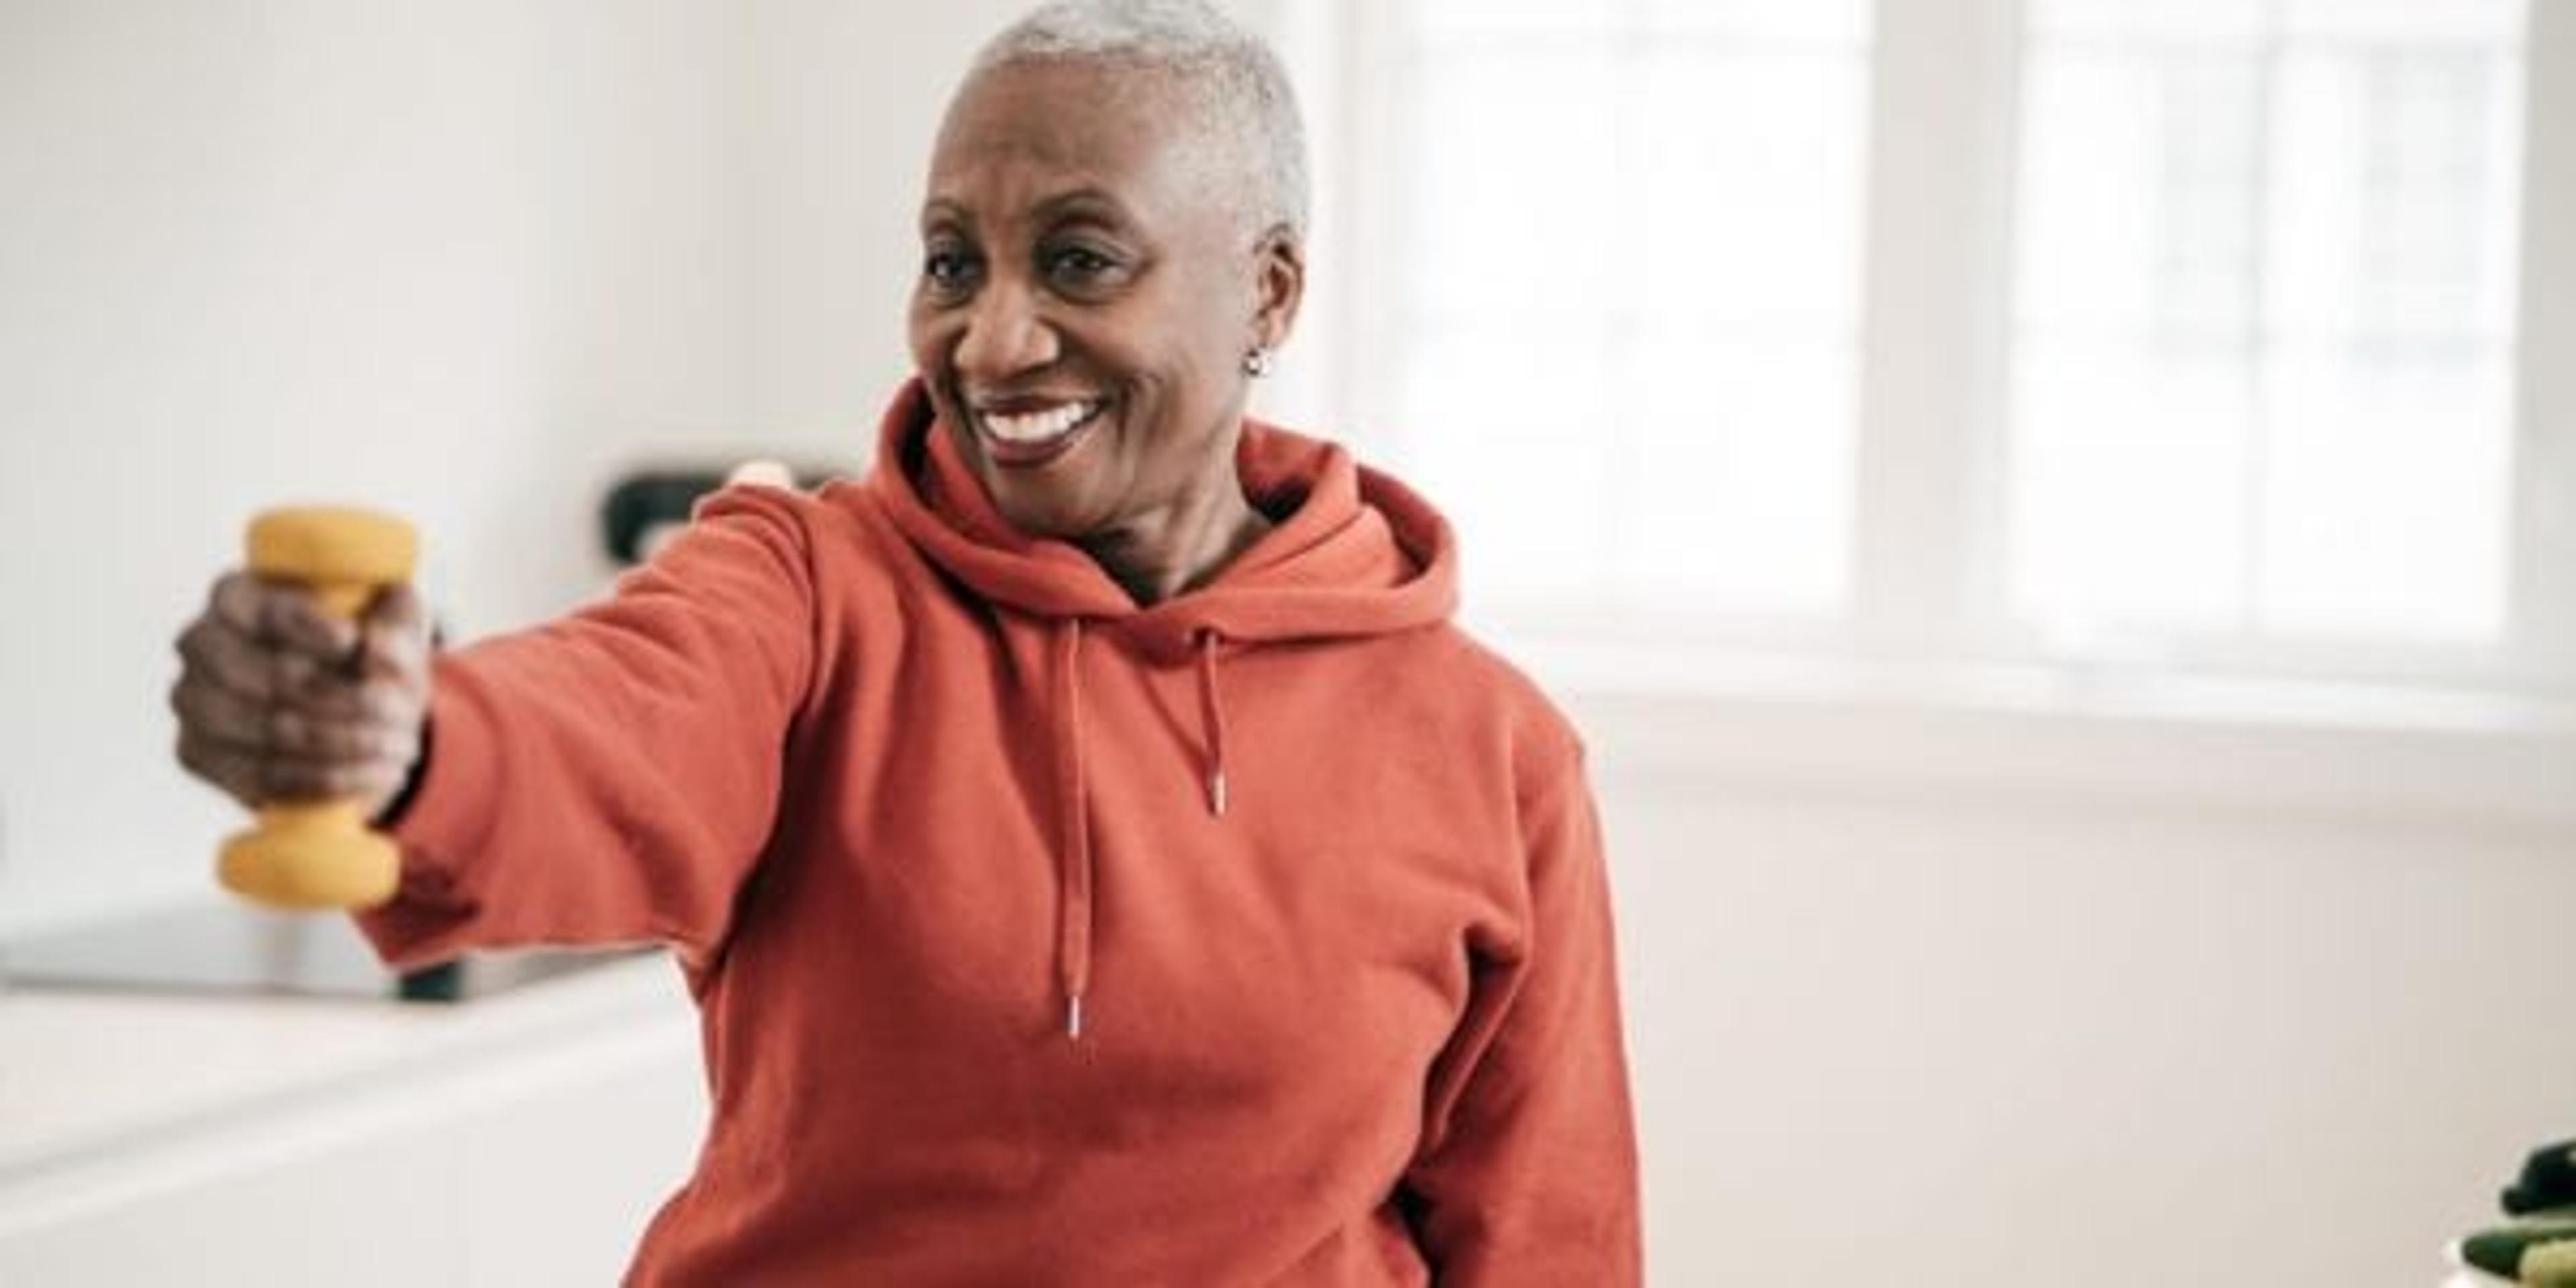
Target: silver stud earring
x=1256 y=364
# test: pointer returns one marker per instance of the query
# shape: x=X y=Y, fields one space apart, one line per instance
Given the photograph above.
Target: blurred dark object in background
x=2536 y=1244
x=646 y=505
x=2548 y=1180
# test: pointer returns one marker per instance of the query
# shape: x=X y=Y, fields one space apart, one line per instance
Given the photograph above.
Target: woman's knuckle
x=190 y=702
x=287 y=779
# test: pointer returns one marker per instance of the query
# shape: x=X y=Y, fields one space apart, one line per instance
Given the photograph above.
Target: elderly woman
x=1095 y=854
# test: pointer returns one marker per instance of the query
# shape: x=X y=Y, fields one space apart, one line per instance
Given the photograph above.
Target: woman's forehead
x=1038 y=133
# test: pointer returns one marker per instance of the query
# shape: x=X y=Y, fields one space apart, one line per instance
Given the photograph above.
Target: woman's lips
x=1034 y=436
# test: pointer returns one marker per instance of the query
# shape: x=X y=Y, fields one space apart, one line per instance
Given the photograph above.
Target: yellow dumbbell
x=320 y=854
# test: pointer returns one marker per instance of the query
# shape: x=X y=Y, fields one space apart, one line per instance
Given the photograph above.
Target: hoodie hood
x=1351 y=553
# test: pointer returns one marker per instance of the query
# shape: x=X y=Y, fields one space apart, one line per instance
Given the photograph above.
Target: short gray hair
x=1225 y=69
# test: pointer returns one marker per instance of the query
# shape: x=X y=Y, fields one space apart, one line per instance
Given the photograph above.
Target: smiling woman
x=1088 y=318
x=1097 y=856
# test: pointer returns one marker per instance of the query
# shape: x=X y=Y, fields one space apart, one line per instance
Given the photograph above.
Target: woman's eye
x=1079 y=266
x=947 y=271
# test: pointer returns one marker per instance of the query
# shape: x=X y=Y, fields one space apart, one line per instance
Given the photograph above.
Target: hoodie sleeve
x=610 y=777
x=1527 y=1174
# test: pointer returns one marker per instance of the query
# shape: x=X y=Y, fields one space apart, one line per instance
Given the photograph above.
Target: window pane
x=2264 y=319
x=1469 y=20
x=1738 y=491
x=1628 y=291
x=2127 y=509
x=1749 y=190
x=1843 y=21
x=1504 y=433
x=2420 y=22
x=1835 y=22
x=1485 y=240
x=2133 y=24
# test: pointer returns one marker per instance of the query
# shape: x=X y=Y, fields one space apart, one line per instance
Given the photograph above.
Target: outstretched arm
x=613 y=776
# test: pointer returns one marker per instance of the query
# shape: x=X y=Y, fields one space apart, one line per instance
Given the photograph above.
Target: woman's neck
x=1183 y=546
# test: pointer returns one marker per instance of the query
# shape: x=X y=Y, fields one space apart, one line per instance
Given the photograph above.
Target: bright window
x=2263 y=376
x=2193 y=324
x=1629 y=285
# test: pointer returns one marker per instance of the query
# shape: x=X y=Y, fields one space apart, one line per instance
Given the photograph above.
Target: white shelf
x=136 y=1113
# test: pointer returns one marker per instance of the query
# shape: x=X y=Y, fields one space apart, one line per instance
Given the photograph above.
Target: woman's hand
x=279 y=702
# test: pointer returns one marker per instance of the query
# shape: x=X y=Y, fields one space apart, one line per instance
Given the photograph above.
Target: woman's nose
x=1004 y=335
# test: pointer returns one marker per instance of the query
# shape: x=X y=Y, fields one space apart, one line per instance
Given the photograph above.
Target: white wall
x=843 y=105
x=1959 y=999
x=2546 y=477
x=458 y=259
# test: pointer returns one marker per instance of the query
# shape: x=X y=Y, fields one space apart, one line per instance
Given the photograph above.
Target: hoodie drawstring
x=1074 y=858
x=1212 y=714
x=1073 y=931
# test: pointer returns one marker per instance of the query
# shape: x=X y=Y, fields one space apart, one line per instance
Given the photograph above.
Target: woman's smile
x=1025 y=433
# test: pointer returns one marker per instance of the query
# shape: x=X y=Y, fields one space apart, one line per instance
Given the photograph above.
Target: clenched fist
x=278 y=702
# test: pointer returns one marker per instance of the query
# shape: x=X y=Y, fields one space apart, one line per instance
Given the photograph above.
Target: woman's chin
x=1035 y=509
x=1056 y=498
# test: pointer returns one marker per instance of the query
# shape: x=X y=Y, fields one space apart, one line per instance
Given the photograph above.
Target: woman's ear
x=1280 y=285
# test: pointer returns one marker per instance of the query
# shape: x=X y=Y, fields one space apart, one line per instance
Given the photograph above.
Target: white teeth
x=1038 y=426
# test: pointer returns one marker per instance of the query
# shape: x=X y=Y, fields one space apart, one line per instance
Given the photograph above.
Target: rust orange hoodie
x=1260 y=936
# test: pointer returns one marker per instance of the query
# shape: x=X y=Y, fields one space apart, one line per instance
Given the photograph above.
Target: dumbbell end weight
x=309 y=858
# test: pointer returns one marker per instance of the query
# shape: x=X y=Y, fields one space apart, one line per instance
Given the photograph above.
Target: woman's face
x=1087 y=297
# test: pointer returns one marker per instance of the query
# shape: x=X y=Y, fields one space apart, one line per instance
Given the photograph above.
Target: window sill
x=2057 y=737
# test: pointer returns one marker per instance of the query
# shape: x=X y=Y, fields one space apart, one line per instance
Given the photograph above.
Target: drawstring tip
x=1073 y=1017
x=1216 y=793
